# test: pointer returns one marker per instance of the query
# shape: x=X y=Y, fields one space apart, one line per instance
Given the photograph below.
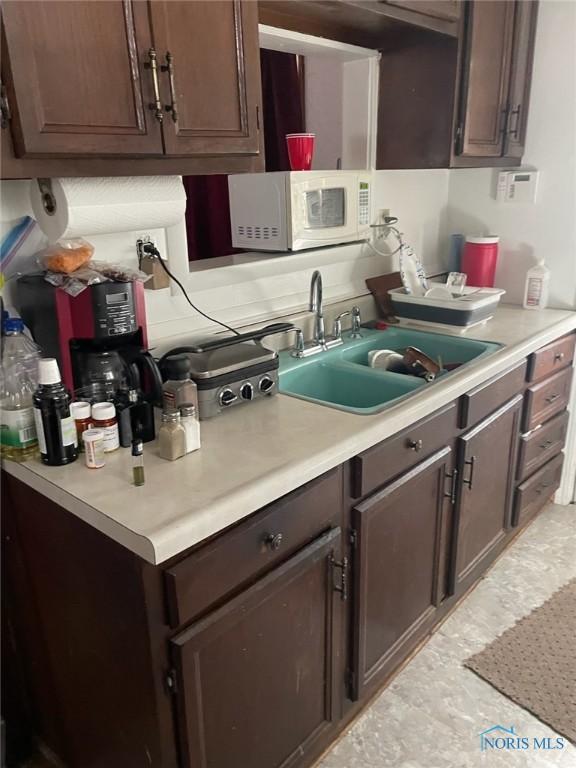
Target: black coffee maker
x=99 y=338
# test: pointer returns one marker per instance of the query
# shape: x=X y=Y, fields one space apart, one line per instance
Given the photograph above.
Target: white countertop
x=251 y=456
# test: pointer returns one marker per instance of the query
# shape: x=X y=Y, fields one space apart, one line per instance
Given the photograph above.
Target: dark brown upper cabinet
x=93 y=86
x=370 y=23
x=210 y=67
x=520 y=78
x=76 y=83
x=485 y=79
x=459 y=103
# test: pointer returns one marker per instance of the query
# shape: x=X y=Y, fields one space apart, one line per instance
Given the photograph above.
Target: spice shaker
x=171 y=436
x=178 y=388
x=189 y=420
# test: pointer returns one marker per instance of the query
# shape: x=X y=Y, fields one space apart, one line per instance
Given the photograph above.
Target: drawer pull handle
x=472 y=463
x=415 y=445
x=273 y=541
x=542 y=487
x=545 y=445
x=552 y=398
x=343 y=567
x=453 y=477
x=558 y=357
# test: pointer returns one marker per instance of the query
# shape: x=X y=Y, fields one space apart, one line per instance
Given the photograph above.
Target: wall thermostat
x=517 y=186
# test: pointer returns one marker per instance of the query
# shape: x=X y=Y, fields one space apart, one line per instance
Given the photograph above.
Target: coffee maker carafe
x=98 y=337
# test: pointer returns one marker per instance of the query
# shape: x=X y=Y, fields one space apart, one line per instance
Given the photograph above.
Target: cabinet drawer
x=381 y=463
x=538 y=447
x=486 y=398
x=551 y=358
x=239 y=555
x=546 y=399
x=533 y=494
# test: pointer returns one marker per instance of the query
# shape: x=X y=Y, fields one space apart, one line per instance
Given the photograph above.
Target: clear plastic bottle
x=18 y=431
x=18 y=381
x=536 y=288
x=19 y=348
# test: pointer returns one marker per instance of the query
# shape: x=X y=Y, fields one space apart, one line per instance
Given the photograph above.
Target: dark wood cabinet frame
x=134 y=664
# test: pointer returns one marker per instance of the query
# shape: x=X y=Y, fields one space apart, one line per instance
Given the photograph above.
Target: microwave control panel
x=364 y=203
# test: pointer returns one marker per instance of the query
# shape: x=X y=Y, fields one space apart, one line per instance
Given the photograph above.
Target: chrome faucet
x=316 y=307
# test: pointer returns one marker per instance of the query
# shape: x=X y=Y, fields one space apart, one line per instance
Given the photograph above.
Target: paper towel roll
x=97 y=206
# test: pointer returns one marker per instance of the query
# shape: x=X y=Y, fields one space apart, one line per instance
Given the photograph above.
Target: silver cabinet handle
x=172 y=108
x=152 y=65
x=472 y=463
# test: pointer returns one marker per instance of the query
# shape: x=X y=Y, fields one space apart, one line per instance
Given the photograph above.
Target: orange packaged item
x=67 y=256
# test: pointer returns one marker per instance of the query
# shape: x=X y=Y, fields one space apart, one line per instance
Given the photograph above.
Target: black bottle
x=57 y=438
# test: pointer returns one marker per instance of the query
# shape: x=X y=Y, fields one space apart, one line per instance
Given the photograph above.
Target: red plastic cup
x=479 y=261
x=300 y=150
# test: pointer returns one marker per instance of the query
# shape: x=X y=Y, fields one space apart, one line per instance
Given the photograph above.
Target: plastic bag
x=118 y=273
x=66 y=256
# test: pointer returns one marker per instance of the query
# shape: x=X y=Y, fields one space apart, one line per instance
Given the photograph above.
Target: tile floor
x=431 y=714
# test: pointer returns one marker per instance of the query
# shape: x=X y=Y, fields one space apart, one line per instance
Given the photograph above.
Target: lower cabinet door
x=486 y=458
x=399 y=568
x=258 y=681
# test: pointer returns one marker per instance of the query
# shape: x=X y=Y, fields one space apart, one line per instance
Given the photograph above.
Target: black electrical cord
x=151 y=250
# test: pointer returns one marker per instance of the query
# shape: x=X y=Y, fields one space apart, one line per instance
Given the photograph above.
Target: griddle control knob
x=266 y=385
x=227 y=397
x=247 y=391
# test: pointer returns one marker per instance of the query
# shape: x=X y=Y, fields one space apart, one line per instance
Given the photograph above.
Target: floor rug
x=534 y=662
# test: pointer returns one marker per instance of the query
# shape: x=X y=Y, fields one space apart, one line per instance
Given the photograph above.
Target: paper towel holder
x=48 y=198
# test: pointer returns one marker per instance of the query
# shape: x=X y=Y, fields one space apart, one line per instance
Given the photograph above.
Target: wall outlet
x=381 y=231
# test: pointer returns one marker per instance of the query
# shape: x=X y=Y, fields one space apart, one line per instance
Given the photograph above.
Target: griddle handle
x=229 y=341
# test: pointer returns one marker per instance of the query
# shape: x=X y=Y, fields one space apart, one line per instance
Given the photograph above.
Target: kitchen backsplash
x=263 y=288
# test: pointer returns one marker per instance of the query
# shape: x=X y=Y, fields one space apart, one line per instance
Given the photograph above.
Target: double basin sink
x=342 y=377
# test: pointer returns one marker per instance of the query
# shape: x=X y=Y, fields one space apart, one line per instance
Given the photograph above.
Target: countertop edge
x=173 y=539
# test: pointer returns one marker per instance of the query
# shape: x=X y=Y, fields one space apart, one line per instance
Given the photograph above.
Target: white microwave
x=294 y=210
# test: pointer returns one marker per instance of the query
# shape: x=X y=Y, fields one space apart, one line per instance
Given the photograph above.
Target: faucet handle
x=356 y=323
x=337 y=327
x=298 y=349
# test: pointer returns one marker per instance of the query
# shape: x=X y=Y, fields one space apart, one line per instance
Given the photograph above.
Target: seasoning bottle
x=81 y=413
x=171 y=436
x=104 y=418
x=178 y=389
x=55 y=426
x=93 y=440
x=138 y=462
x=189 y=420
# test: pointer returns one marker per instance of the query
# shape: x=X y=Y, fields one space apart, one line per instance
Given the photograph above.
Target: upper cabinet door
x=76 y=82
x=486 y=78
x=210 y=78
x=520 y=77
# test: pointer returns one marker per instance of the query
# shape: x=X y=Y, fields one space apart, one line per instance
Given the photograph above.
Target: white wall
x=324 y=109
x=548 y=228
x=419 y=199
